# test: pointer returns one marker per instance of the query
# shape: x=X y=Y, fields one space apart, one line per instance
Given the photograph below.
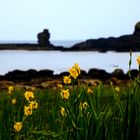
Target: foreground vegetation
x=72 y=111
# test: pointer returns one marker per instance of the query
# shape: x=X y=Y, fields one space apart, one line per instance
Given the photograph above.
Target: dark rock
x=64 y=74
x=134 y=73
x=83 y=74
x=43 y=39
x=45 y=73
x=18 y=75
x=121 y=44
x=119 y=74
x=137 y=29
x=98 y=74
x=1 y=77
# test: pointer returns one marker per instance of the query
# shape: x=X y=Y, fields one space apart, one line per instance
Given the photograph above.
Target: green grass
x=109 y=115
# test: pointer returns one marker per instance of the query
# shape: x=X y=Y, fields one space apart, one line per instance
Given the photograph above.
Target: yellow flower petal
x=77 y=68
x=138 y=60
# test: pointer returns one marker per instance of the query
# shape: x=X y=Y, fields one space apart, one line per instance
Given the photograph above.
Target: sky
x=67 y=19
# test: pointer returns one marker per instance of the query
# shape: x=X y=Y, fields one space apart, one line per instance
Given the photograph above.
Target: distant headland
x=124 y=43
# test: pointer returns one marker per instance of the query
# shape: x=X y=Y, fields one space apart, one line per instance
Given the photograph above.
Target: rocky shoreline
x=46 y=78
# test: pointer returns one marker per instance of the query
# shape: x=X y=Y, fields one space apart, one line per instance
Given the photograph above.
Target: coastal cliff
x=121 y=44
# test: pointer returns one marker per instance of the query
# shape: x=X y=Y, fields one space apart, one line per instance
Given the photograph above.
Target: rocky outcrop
x=123 y=43
x=43 y=39
x=137 y=29
x=119 y=74
x=99 y=74
x=19 y=75
x=133 y=73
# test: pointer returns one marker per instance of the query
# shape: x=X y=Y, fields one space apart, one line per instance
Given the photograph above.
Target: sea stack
x=43 y=39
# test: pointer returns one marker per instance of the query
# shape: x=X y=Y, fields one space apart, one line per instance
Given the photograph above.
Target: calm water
x=62 y=61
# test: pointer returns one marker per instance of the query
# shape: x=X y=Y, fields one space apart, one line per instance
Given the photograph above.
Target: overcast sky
x=67 y=19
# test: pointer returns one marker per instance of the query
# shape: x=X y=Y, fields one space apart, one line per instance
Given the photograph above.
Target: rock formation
x=123 y=43
x=43 y=38
x=137 y=29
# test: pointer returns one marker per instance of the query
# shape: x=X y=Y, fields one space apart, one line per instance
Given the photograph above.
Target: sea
x=60 y=61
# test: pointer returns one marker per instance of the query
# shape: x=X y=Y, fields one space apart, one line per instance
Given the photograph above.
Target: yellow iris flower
x=28 y=95
x=83 y=105
x=10 y=89
x=65 y=93
x=89 y=90
x=13 y=101
x=67 y=79
x=27 y=110
x=33 y=105
x=60 y=86
x=18 y=126
x=75 y=71
x=77 y=68
x=117 y=89
x=62 y=111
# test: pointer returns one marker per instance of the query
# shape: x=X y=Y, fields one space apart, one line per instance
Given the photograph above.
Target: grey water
x=61 y=61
